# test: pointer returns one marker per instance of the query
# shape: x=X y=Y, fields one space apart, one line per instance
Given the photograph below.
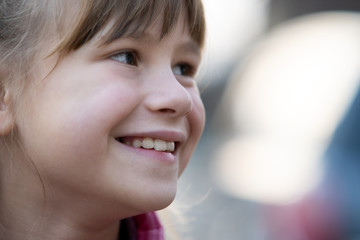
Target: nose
x=166 y=95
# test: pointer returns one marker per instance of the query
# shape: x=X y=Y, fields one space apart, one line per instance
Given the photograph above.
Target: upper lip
x=166 y=135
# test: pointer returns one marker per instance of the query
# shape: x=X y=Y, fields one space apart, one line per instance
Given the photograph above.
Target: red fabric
x=148 y=227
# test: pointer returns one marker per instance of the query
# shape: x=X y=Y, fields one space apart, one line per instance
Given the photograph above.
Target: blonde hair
x=127 y=14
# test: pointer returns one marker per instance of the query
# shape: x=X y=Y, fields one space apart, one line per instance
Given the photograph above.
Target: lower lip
x=168 y=157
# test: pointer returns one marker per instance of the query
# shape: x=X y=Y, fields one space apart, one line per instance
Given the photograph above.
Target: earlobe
x=6 y=116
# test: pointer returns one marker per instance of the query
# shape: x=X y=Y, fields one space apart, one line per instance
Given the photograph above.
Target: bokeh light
x=286 y=100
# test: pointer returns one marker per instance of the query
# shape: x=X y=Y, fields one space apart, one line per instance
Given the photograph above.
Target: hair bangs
x=136 y=16
x=132 y=18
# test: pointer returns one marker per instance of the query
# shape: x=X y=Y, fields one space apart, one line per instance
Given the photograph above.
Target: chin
x=165 y=202
x=159 y=199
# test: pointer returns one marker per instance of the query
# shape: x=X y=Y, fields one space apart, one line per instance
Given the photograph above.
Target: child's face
x=84 y=123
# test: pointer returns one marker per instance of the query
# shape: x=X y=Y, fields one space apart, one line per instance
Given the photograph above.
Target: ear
x=6 y=115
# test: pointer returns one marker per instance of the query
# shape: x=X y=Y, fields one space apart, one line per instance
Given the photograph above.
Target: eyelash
x=184 y=70
x=127 y=57
x=131 y=58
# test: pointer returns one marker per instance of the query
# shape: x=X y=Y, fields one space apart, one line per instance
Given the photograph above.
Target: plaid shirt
x=141 y=227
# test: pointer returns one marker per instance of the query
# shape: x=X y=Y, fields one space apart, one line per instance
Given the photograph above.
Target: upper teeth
x=157 y=144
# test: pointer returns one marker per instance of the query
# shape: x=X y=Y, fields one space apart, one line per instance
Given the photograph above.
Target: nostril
x=167 y=110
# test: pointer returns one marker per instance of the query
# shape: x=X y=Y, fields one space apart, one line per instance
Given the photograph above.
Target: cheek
x=70 y=128
x=196 y=121
x=197 y=117
x=67 y=137
x=101 y=110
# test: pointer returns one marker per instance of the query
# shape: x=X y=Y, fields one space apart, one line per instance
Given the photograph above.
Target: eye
x=184 y=69
x=128 y=57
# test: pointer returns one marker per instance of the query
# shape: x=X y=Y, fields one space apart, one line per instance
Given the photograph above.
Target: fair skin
x=81 y=124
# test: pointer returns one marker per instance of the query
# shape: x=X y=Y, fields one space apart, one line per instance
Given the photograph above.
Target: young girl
x=99 y=114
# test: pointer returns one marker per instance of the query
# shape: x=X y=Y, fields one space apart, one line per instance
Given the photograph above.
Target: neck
x=33 y=220
x=43 y=228
x=24 y=213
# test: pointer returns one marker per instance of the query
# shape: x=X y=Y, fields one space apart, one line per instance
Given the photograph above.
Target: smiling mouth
x=148 y=143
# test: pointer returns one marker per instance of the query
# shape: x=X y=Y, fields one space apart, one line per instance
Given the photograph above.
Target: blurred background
x=280 y=155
